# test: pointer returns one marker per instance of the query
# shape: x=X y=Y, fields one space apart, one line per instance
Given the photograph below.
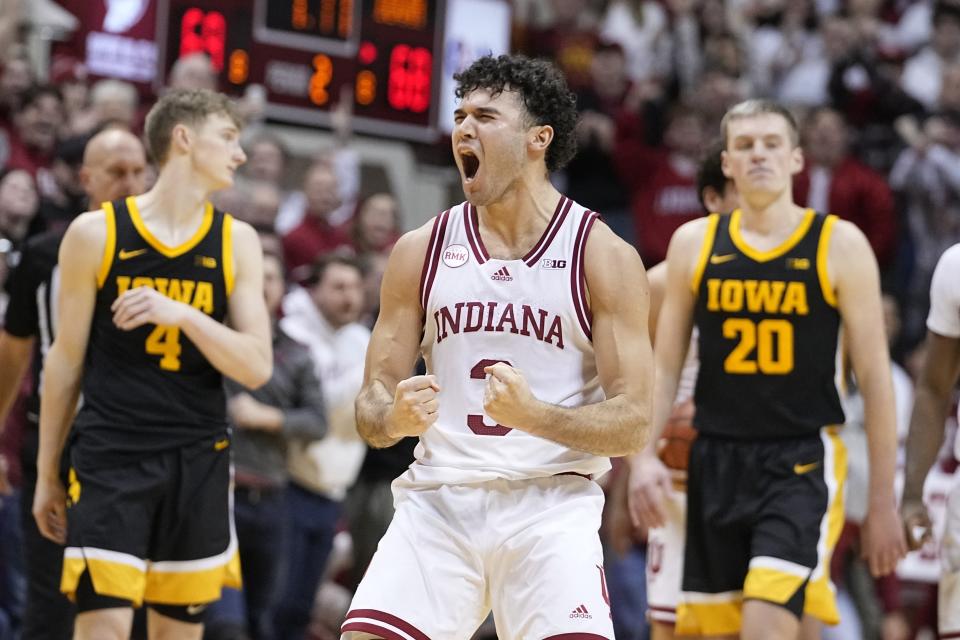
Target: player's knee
x=175 y=622
x=357 y=635
x=103 y=624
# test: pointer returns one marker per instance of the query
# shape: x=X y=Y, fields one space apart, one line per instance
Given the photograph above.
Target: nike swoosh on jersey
x=126 y=255
x=715 y=259
x=801 y=469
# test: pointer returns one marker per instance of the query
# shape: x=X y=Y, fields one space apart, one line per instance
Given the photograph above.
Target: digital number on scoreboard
x=304 y=52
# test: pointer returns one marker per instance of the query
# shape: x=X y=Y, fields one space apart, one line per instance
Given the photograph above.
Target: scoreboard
x=385 y=54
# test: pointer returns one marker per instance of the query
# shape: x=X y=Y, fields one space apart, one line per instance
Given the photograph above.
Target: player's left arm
x=619 y=301
x=853 y=271
x=242 y=350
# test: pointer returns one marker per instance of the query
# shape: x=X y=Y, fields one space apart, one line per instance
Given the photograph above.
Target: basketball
x=673 y=447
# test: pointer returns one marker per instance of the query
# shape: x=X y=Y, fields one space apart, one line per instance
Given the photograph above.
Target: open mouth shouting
x=469 y=164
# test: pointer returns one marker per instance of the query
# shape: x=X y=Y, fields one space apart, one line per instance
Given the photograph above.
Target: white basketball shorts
x=665 y=560
x=949 y=592
x=527 y=549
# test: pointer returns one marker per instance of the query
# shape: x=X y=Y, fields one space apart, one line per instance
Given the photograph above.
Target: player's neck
x=521 y=214
x=174 y=198
x=764 y=216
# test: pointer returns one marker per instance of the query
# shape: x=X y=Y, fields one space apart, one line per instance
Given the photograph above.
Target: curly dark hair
x=543 y=89
x=710 y=172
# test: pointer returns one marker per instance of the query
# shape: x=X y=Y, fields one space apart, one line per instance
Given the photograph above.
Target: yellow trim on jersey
x=125 y=581
x=705 y=249
x=228 y=267
x=823 y=250
x=776 y=252
x=820 y=598
x=114 y=579
x=193 y=587
x=109 y=247
x=715 y=618
x=170 y=252
x=764 y=583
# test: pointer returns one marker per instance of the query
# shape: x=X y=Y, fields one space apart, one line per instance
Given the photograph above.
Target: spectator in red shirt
x=315 y=235
x=833 y=181
x=664 y=182
x=34 y=133
x=376 y=225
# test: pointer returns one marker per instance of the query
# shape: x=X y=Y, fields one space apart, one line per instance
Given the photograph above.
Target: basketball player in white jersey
x=532 y=319
x=941 y=369
x=657 y=496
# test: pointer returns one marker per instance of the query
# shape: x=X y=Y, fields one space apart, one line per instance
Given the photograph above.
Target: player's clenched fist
x=507 y=398
x=415 y=405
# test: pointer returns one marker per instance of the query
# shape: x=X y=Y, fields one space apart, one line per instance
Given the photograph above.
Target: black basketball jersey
x=768 y=333
x=150 y=388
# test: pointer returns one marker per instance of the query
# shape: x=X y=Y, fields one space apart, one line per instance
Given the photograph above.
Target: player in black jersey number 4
x=146 y=285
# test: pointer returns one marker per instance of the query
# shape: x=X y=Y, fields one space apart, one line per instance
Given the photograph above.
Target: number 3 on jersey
x=772 y=341
x=475 y=421
x=164 y=341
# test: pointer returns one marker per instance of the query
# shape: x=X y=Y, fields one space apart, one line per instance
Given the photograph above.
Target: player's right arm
x=649 y=478
x=391 y=404
x=80 y=258
x=938 y=375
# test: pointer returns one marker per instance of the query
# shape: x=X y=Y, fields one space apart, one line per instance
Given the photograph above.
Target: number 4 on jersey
x=164 y=341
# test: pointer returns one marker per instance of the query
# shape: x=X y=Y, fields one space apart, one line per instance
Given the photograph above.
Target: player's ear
x=796 y=160
x=540 y=137
x=725 y=165
x=181 y=137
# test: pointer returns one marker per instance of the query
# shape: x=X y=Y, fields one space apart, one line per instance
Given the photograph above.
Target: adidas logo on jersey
x=502 y=274
x=580 y=612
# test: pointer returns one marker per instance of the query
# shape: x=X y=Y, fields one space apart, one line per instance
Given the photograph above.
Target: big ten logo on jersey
x=552 y=263
x=455 y=256
x=197 y=294
x=765 y=346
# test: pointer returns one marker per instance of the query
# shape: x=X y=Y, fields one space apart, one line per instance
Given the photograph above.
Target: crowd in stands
x=875 y=84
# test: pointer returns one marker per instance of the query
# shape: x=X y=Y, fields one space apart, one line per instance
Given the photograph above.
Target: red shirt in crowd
x=308 y=240
x=859 y=194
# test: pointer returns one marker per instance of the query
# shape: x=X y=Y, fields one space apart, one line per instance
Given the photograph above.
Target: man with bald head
x=114 y=166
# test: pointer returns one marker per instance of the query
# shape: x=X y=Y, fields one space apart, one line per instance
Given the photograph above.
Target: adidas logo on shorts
x=502 y=274
x=580 y=612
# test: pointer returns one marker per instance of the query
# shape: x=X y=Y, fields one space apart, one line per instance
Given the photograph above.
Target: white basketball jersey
x=531 y=313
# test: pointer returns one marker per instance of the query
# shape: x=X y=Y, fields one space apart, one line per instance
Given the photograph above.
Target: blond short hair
x=186 y=106
x=749 y=108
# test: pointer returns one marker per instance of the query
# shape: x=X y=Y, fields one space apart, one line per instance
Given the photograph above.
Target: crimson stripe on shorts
x=663 y=609
x=432 y=258
x=366 y=627
x=471 y=222
x=950 y=634
x=577 y=636
x=559 y=215
x=577 y=276
x=386 y=618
